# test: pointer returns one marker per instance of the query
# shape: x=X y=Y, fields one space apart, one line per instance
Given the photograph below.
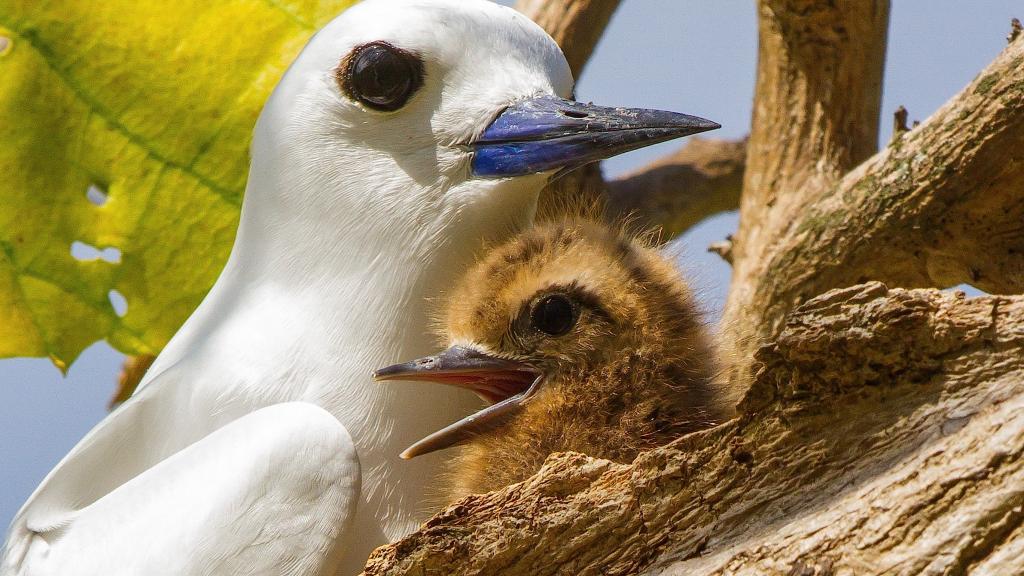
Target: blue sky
x=686 y=55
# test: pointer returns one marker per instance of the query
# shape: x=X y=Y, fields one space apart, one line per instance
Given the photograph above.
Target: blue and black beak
x=548 y=133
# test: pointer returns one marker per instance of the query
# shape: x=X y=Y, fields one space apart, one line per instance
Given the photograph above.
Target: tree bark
x=882 y=431
x=883 y=434
x=816 y=112
x=940 y=206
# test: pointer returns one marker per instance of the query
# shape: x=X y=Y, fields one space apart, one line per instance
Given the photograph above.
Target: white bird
x=406 y=135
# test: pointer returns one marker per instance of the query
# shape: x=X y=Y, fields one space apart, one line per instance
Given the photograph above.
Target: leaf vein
x=95 y=107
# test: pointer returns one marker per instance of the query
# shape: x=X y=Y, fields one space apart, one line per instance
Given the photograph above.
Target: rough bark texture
x=883 y=434
x=816 y=110
x=940 y=206
x=883 y=429
x=817 y=97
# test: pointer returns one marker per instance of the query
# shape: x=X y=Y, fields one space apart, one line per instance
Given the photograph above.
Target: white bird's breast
x=253 y=344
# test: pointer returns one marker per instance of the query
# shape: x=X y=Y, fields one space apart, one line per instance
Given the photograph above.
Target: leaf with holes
x=125 y=129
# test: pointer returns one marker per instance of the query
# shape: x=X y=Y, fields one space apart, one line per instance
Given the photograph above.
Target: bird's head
x=570 y=313
x=407 y=110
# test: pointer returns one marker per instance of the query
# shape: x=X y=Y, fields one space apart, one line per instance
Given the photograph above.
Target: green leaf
x=151 y=103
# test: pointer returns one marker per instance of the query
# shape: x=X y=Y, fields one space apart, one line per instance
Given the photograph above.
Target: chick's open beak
x=505 y=384
x=550 y=133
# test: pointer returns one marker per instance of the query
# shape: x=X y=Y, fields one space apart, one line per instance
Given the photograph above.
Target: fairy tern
x=404 y=136
x=578 y=337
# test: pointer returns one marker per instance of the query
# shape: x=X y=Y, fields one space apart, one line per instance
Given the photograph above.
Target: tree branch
x=941 y=206
x=818 y=95
x=576 y=25
x=701 y=179
x=816 y=114
x=132 y=371
x=884 y=433
x=675 y=192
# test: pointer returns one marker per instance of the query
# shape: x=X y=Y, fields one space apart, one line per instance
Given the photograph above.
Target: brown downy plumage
x=582 y=339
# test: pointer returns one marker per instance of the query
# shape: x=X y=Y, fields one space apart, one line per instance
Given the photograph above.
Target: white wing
x=271 y=492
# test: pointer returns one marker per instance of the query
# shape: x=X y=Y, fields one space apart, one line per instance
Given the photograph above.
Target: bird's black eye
x=381 y=76
x=553 y=315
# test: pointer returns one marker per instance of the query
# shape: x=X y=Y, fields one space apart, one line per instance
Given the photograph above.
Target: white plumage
x=258 y=442
x=350 y=221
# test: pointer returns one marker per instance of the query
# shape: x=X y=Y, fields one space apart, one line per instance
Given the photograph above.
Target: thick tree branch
x=818 y=95
x=941 y=206
x=816 y=114
x=676 y=192
x=884 y=434
x=576 y=25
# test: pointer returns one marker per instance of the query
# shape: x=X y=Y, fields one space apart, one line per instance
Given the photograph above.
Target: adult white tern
x=406 y=135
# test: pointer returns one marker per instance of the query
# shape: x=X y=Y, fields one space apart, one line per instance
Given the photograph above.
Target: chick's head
x=576 y=297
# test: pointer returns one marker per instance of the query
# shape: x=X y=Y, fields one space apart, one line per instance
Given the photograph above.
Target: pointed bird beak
x=550 y=133
x=505 y=384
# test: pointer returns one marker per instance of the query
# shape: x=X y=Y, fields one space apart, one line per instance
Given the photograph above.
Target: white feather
x=351 y=221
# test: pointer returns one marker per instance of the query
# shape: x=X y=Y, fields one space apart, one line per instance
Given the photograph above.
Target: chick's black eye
x=381 y=76
x=553 y=315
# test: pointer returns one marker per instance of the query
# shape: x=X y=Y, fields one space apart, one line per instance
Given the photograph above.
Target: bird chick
x=580 y=338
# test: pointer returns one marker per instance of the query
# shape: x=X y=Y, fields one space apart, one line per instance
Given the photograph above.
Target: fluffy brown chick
x=581 y=338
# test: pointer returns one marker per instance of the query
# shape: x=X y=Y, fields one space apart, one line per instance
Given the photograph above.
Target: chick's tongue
x=492 y=387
